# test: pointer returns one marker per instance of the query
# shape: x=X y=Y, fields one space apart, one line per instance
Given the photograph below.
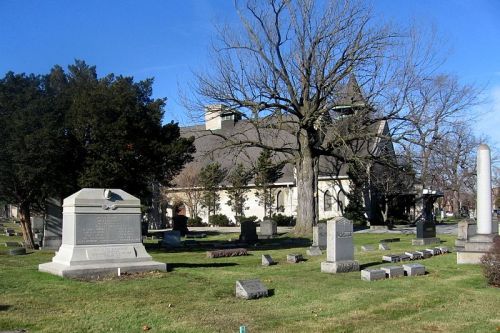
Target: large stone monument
x=478 y=244
x=339 y=248
x=426 y=228
x=101 y=235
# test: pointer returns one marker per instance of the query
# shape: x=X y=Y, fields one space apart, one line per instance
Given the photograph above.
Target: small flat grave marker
x=443 y=249
x=314 y=251
x=414 y=269
x=390 y=240
x=384 y=247
x=249 y=289
x=414 y=255
x=393 y=271
x=372 y=274
x=391 y=258
x=13 y=244
x=267 y=260
x=425 y=254
x=367 y=248
x=435 y=251
x=404 y=257
x=294 y=258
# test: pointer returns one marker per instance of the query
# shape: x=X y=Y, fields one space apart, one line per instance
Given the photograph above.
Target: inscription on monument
x=94 y=229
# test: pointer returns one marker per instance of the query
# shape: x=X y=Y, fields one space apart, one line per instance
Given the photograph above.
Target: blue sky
x=168 y=39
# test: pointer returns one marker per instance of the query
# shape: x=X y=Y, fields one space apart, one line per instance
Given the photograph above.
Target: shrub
x=195 y=222
x=220 y=220
x=241 y=219
x=283 y=220
x=491 y=264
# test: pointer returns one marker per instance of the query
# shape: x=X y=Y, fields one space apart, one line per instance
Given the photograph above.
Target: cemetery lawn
x=197 y=295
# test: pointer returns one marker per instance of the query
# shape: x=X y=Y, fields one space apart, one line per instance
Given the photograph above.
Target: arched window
x=327 y=202
x=280 y=202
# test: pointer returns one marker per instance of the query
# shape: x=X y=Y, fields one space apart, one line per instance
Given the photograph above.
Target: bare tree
x=286 y=72
x=188 y=181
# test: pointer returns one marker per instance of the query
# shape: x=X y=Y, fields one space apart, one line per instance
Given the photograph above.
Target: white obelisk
x=483 y=203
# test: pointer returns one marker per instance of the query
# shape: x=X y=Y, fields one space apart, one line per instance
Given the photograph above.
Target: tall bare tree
x=286 y=72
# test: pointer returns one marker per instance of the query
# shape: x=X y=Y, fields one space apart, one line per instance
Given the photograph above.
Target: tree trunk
x=307 y=183
x=24 y=213
x=456 y=203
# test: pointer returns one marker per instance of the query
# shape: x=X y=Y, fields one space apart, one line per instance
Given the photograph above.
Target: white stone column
x=483 y=203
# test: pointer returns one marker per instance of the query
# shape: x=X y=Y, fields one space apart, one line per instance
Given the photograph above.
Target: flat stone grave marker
x=267 y=260
x=391 y=258
x=393 y=271
x=414 y=255
x=372 y=274
x=425 y=254
x=434 y=251
x=13 y=244
x=414 y=269
x=249 y=289
x=171 y=238
x=404 y=257
x=17 y=251
x=444 y=249
x=367 y=248
x=294 y=258
x=384 y=247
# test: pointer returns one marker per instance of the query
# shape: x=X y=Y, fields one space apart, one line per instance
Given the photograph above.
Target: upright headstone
x=101 y=235
x=465 y=230
x=248 y=232
x=52 y=233
x=340 y=247
x=426 y=227
x=319 y=240
x=268 y=229
x=477 y=245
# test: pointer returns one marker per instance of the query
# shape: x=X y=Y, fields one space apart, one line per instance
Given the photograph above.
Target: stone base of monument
x=474 y=248
x=334 y=267
x=90 y=261
x=425 y=241
x=314 y=251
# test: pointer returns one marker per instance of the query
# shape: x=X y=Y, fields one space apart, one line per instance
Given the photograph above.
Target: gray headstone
x=384 y=247
x=171 y=238
x=101 y=234
x=52 y=233
x=372 y=274
x=434 y=251
x=320 y=236
x=267 y=260
x=268 y=228
x=393 y=271
x=367 y=248
x=294 y=258
x=249 y=289
x=414 y=269
x=340 y=247
x=404 y=257
x=425 y=254
x=443 y=249
x=37 y=224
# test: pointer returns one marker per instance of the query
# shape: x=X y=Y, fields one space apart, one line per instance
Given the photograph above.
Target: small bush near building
x=195 y=222
x=283 y=220
x=491 y=264
x=219 y=220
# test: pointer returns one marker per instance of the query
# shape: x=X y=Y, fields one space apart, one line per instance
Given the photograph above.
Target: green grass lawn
x=198 y=296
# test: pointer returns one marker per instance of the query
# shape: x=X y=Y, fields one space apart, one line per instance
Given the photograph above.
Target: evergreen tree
x=266 y=174
x=355 y=209
x=238 y=181
x=211 y=176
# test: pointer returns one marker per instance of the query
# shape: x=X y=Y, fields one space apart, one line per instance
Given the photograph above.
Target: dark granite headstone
x=179 y=223
x=52 y=234
x=248 y=232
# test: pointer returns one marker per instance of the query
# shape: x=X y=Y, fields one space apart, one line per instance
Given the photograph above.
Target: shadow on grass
x=171 y=267
x=370 y=264
x=4 y=307
x=200 y=245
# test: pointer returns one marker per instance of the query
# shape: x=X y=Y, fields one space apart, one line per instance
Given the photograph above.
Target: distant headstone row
x=415 y=255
